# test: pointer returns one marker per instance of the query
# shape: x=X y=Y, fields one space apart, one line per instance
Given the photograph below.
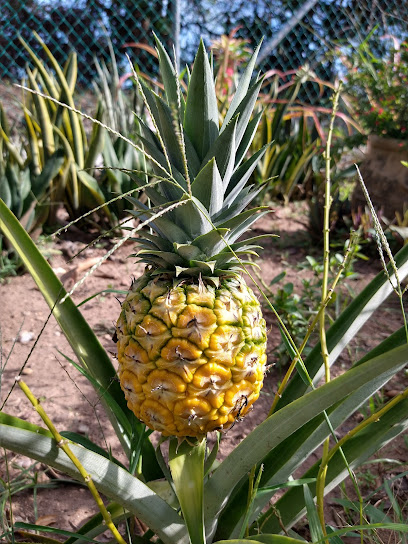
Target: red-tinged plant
x=376 y=85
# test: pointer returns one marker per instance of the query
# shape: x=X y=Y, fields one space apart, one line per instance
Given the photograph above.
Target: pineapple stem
x=186 y=462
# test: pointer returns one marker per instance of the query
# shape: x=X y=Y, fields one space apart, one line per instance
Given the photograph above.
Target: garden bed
x=30 y=340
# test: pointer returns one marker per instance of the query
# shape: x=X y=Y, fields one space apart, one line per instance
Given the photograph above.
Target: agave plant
x=205 y=501
x=119 y=157
x=51 y=127
x=23 y=182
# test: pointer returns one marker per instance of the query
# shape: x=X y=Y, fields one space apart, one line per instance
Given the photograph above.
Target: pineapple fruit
x=191 y=337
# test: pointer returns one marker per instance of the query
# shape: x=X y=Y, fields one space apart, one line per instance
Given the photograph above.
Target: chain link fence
x=295 y=32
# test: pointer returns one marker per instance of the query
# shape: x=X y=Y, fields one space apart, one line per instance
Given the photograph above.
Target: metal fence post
x=176 y=32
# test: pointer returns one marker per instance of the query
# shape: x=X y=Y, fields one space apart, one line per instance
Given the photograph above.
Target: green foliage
x=52 y=127
x=24 y=183
x=287 y=162
x=294 y=133
x=376 y=83
x=296 y=310
x=120 y=158
x=305 y=432
x=381 y=503
x=24 y=187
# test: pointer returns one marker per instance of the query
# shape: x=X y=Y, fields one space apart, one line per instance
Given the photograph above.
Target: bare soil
x=31 y=340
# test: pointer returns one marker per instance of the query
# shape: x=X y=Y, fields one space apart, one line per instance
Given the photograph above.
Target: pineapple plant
x=191 y=337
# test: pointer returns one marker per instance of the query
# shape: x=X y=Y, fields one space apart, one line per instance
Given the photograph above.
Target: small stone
x=83 y=429
x=59 y=271
x=25 y=337
x=24 y=462
x=391 y=393
x=27 y=370
x=19 y=519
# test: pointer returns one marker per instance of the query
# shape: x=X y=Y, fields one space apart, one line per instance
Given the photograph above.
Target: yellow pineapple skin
x=191 y=357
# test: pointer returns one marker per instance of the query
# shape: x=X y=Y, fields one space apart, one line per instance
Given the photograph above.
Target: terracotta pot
x=384 y=175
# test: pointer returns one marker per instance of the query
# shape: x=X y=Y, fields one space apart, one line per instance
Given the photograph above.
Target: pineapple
x=191 y=337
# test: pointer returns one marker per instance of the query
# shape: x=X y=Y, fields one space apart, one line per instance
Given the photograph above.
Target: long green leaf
x=264 y=539
x=186 y=463
x=243 y=173
x=51 y=168
x=242 y=87
x=347 y=326
x=168 y=134
x=316 y=531
x=46 y=77
x=98 y=139
x=201 y=114
x=21 y=526
x=43 y=118
x=245 y=110
x=284 y=459
x=32 y=143
x=75 y=122
x=113 y=481
x=168 y=73
x=286 y=421
x=86 y=346
x=247 y=138
x=208 y=187
x=356 y=450
x=223 y=149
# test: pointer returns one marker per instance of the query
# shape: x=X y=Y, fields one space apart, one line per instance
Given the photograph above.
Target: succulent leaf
x=242 y=87
x=208 y=187
x=168 y=73
x=245 y=110
x=223 y=149
x=201 y=114
x=243 y=173
x=247 y=138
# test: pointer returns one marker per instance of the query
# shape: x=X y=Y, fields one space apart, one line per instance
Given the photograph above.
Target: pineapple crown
x=201 y=175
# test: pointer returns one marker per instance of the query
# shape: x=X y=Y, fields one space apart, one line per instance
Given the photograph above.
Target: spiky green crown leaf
x=199 y=164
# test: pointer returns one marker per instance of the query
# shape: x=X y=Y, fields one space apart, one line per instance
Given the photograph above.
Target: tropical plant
x=191 y=338
x=294 y=132
x=204 y=501
x=376 y=85
x=287 y=162
x=51 y=127
x=120 y=157
x=24 y=188
x=296 y=309
x=23 y=183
